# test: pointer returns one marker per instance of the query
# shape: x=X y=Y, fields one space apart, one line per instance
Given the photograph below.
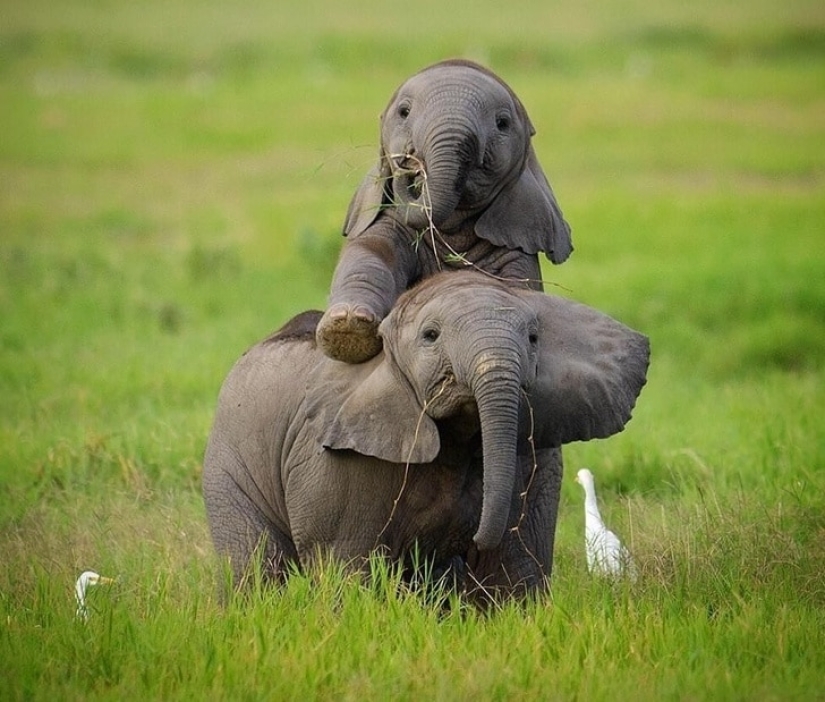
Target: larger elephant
x=457 y=184
x=447 y=442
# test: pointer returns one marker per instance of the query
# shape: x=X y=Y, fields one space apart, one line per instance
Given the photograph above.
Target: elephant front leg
x=372 y=272
x=518 y=268
x=349 y=332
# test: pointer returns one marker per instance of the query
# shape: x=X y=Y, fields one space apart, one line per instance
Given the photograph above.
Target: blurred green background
x=175 y=176
x=173 y=179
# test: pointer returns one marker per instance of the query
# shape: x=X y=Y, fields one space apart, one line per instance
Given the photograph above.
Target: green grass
x=174 y=176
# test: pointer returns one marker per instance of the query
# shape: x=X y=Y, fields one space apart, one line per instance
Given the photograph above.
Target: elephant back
x=300 y=328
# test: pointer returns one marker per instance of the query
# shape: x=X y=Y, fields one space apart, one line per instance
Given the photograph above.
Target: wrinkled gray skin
x=456 y=175
x=460 y=419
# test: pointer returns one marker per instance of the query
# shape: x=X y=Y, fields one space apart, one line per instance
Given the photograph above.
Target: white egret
x=605 y=553
x=86 y=579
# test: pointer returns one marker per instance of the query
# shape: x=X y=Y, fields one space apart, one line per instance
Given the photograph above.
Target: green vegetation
x=174 y=176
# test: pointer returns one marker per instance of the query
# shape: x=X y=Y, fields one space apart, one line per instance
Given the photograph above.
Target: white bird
x=87 y=578
x=605 y=553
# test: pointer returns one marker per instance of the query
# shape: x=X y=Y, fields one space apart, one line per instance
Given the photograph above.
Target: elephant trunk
x=497 y=390
x=432 y=182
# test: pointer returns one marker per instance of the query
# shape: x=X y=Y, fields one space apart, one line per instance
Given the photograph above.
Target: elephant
x=446 y=444
x=457 y=185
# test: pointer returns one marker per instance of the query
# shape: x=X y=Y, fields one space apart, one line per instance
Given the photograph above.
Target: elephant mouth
x=410 y=178
x=449 y=397
x=413 y=185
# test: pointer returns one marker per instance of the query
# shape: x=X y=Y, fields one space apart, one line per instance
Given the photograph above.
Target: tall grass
x=174 y=177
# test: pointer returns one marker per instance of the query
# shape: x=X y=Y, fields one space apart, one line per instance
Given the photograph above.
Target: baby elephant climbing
x=457 y=183
x=446 y=444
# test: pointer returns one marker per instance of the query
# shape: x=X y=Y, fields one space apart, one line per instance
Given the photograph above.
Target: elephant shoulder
x=300 y=328
x=265 y=386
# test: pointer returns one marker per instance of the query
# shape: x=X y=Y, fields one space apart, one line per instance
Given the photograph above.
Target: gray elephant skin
x=447 y=443
x=457 y=183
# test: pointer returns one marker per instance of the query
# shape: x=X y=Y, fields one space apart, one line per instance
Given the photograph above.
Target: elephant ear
x=369 y=408
x=368 y=199
x=591 y=369
x=526 y=216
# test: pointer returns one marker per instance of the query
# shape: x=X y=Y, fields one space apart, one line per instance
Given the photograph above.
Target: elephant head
x=461 y=344
x=455 y=148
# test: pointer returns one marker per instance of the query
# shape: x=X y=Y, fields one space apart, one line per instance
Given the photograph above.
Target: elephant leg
x=373 y=270
x=520 y=269
x=243 y=534
x=536 y=534
x=523 y=562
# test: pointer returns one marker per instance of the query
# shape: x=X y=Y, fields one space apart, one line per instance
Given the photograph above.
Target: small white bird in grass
x=86 y=579
x=605 y=553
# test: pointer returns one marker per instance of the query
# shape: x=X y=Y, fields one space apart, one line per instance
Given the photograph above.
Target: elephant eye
x=533 y=338
x=430 y=335
x=404 y=110
x=503 y=122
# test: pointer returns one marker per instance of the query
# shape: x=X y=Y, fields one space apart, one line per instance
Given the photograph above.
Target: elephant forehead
x=458 y=295
x=456 y=79
x=451 y=285
x=485 y=300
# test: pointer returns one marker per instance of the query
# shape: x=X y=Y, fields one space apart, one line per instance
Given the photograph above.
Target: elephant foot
x=349 y=333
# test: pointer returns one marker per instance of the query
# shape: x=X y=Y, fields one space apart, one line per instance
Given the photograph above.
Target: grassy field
x=173 y=177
